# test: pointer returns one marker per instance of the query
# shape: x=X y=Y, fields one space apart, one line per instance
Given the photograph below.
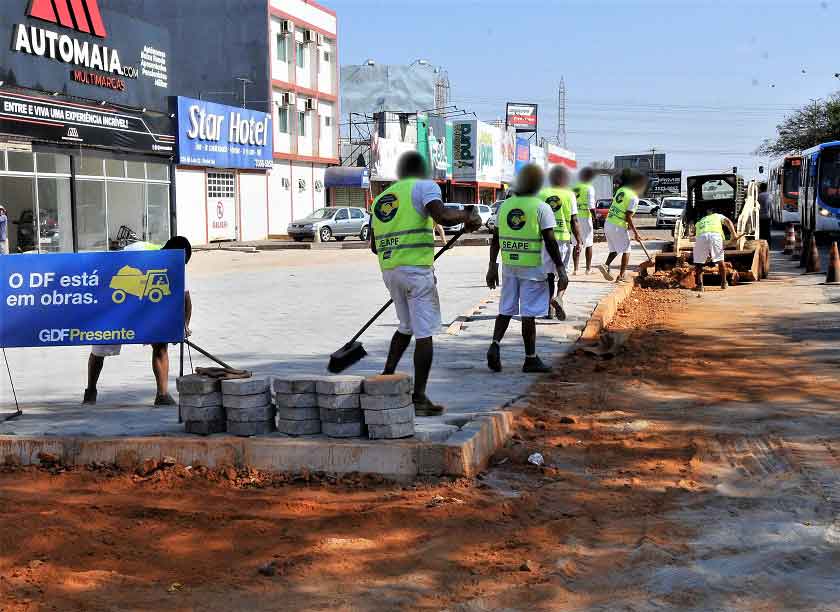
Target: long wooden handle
x=642 y=244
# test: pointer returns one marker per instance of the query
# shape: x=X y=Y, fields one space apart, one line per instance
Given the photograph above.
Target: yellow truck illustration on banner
x=153 y=284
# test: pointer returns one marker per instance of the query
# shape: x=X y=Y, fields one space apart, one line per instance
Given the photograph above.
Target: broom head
x=348 y=355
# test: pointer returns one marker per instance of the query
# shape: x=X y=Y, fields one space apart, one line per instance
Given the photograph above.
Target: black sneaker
x=535 y=365
x=164 y=400
x=424 y=407
x=559 y=312
x=494 y=358
x=90 y=397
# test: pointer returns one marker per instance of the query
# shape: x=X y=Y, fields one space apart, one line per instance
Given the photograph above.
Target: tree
x=812 y=124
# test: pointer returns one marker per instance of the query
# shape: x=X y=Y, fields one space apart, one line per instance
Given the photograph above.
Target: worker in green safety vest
x=525 y=236
x=403 y=219
x=585 y=195
x=619 y=222
x=563 y=204
x=708 y=244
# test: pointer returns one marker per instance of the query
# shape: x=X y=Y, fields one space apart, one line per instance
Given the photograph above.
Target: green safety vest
x=582 y=194
x=618 y=209
x=710 y=224
x=520 y=236
x=560 y=201
x=403 y=237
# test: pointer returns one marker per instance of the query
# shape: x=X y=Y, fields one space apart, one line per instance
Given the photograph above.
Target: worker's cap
x=179 y=243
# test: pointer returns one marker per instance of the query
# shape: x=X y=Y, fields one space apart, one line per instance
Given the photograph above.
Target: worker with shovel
x=585 y=196
x=708 y=244
x=402 y=237
x=526 y=239
x=619 y=221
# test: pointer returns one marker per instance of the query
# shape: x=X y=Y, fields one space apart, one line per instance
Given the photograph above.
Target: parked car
x=670 y=210
x=332 y=222
x=493 y=222
x=647 y=206
x=453 y=229
x=485 y=212
x=602 y=209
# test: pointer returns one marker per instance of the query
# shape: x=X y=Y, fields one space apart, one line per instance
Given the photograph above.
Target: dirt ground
x=685 y=473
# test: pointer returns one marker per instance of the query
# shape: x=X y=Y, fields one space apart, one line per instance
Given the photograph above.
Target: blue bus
x=819 y=191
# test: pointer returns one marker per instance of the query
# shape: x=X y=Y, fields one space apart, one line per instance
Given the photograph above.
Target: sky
x=703 y=81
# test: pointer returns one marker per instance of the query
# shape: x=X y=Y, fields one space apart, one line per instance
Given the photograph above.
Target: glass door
x=17 y=193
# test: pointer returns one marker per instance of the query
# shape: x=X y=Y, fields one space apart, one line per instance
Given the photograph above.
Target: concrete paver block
x=342 y=430
x=341 y=415
x=338 y=401
x=252 y=414
x=200 y=399
x=196 y=384
x=245 y=386
x=433 y=432
x=298 y=414
x=391 y=432
x=205 y=428
x=295 y=384
x=256 y=428
x=389 y=384
x=296 y=400
x=203 y=413
x=339 y=385
x=386 y=402
x=299 y=428
x=389 y=417
x=246 y=401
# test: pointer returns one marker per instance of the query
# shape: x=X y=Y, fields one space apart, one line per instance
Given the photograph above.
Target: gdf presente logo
x=386 y=208
x=516 y=219
x=554 y=202
x=80 y=15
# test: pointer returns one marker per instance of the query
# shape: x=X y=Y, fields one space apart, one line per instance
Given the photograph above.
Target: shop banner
x=489 y=154
x=72 y=299
x=664 y=183
x=523 y=153
x=450 y=149
x=219 y=136
x=464 y=150
x=384 y=155
x=508 y=155
x=538 y=156
x=439 y=135
x=423 y=138
x=560 y=156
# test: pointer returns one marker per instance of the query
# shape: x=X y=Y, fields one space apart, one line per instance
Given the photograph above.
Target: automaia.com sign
x=522 y=117
x=214 y=135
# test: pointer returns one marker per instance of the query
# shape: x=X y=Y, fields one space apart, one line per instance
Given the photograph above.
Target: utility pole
x=653 y=159
x=561 y=113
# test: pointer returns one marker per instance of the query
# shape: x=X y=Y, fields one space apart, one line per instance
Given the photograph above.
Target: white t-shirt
x=591 y=193
x=547 y=221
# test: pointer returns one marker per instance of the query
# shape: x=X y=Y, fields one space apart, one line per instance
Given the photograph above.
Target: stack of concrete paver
x=389 y=410
x=340 y=407
x=200 y=404
x=247 y=402
x=297 y=405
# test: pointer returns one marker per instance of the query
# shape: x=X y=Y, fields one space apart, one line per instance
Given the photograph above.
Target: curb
x=605 y=311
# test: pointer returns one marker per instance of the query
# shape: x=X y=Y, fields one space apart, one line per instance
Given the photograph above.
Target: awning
x=347 y=176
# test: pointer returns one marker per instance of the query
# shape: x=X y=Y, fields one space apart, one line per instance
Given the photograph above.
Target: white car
x=493 y=222
x=485 y=212
x=646 y=207
x=670 y=211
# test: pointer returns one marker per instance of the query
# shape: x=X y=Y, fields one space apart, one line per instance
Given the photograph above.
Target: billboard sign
x=73 y=299
x=222 y=136
x=384 y=155
x=464 y=150
x=560 y=156
x=664 y=183
x=521 y=116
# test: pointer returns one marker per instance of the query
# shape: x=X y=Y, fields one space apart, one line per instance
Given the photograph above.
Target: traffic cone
x=833 y=275
x=790 y=240
x=797 y=245
x=813 y=266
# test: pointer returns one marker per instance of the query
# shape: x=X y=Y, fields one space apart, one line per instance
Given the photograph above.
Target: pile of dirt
x=680 y=277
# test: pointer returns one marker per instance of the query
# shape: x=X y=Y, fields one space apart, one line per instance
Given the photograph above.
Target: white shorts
x=527 y=298
x=415 y=295
x=587 y=232
x=618 y=238
x=708 y=246
x=105 y=350
x=565 y=255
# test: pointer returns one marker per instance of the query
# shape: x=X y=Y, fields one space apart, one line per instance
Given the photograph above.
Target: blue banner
x=523 y=153
x=220 y=136
x=127 y=297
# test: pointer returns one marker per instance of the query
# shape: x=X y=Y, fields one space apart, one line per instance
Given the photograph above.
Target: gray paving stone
x=195 y=384
x=341 y=415
x=339 y=385
x=200 y=399
x=203 y=413
x=245 y=386
x=295 y=384
x=296 y=400
x=391 y=432
x=205 y=428
x=386 y=402
x=389 y=417
x=343 y=430
x=338 y=401
x=433 y=432
x=250 y=415
x=298 y=414
x=299 y=428
x=259 y=428
x=246 y=401
x=389 y=384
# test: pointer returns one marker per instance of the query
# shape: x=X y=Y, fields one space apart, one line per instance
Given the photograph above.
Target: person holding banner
x=160 y=351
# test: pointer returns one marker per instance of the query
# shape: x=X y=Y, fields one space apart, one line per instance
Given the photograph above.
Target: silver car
x=332 y=222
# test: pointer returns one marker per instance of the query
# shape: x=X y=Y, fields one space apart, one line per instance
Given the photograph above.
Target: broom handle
x=208 y=355
x=446 y=247
x=642 y=244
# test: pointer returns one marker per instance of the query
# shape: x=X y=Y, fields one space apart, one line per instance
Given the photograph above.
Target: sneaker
x=621 y=279
x=724 y=285
x=494 y=358
x=424 y=407
x=90 y=397
x=588 y=271
x=605 y=272
x=559 y=312
x=164 y=400
x=535 y=365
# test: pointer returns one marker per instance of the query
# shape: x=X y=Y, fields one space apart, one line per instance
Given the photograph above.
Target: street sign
x=664 y=183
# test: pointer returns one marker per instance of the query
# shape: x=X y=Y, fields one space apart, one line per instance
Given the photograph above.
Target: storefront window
x=91 y=166
x=158 y=213
x=157 y=172
x=91 y=224
x=55 y=222
x=53 y=164
x=136 y=170
x=114 y=168
x=20 y=161
x=18 y=196
x=125 y=208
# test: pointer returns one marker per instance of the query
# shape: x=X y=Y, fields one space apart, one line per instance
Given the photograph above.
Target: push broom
x=353 y=352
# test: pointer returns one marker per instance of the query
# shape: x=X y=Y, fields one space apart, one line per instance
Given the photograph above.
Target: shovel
x=353 y=352
x=645 y=264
